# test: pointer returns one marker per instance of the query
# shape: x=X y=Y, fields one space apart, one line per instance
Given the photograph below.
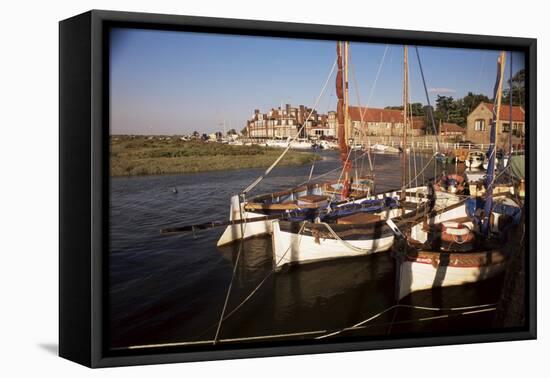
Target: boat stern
x=247 y=230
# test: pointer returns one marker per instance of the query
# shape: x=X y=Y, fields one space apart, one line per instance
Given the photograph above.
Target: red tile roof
x=447 y=127
x=375 y=114
x=382 y=115
x=518 y=114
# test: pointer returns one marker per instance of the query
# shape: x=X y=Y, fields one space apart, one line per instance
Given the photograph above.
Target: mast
x=491 y=152
x=342 y=114
x=405 y=119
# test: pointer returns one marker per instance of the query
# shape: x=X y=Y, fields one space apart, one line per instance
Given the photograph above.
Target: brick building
x=479 y=124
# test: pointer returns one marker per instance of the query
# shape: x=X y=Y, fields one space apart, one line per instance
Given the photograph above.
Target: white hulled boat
x=450 y=250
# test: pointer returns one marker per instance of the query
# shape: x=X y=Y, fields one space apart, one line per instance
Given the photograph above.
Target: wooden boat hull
x=457 y=263
x=320 y=241
x=275 y=203
x=316 y=243
x=429 y=270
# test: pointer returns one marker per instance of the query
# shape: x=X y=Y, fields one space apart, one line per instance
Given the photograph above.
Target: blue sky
x=165 y=82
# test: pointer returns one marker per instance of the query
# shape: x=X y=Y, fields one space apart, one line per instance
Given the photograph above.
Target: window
x=479 y=125
x=506 y=127
x=517 y=129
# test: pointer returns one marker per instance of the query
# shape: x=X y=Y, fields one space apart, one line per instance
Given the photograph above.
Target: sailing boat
x=449 y=248
x=350 y=231
x=465 y=242
x=331 y=219
x=306 y=199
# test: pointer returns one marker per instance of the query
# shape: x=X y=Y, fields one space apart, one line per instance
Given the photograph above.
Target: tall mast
x=405 y=120
x=342 y=113
x=491 y=152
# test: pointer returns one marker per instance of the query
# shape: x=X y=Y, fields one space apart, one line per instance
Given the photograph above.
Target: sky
x=173 y=82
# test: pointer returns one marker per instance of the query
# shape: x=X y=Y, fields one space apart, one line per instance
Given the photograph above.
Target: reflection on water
x=172 y=288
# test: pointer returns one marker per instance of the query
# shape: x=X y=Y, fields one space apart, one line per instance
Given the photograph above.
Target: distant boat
x=384 y=148
x=326 y=145
x=299 y=144
x=485 y=164
x=302 y=144
x=474 y=159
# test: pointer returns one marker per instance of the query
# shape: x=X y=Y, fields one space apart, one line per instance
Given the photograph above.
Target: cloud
x=441 y=90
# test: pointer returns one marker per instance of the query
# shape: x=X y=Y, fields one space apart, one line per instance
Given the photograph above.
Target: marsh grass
x=135 y=156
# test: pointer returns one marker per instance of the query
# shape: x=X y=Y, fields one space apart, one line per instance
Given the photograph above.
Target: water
x=166 y=289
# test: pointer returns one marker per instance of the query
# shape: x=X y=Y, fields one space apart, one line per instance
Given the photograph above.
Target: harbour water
x=166 y=289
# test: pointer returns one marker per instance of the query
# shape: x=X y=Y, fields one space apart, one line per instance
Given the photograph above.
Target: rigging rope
x=290 y=140
x=430 y=111
x=361 y=113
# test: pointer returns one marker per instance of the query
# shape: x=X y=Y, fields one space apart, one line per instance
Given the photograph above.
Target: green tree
x=417 y=109
x=443 y=106
x=518 y=89
x=471 y=101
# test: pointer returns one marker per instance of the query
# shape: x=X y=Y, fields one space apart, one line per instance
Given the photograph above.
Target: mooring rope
x=243 y=229
x=371 y=318
x=346 y=243
x=467 y=310
x=247 y=298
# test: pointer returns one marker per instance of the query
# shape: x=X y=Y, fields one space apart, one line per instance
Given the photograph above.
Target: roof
x=375 y=114
x=518 y=114
x=382 y=115
x=447 y=127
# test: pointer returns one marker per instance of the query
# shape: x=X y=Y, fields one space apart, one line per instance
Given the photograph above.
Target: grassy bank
x=133 y=156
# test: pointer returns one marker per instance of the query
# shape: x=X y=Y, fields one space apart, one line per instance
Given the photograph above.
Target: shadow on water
x=172 y=288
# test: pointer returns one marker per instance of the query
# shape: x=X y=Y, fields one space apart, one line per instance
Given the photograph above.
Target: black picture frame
x=84 y=180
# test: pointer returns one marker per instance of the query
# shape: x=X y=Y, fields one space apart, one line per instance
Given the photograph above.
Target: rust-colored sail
x=340 y=116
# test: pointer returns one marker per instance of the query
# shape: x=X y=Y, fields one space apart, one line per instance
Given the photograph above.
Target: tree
x=443 y=106
x=232 y=132
x=417 y=109
x=244 y=131
x=196 y=134
x=471 y=101
x=518 y=89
